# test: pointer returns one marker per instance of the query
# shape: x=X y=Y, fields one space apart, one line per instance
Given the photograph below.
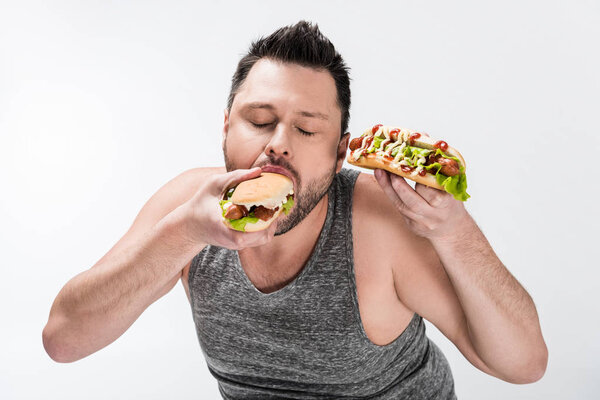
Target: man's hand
x=429 y=212
x=204 y=220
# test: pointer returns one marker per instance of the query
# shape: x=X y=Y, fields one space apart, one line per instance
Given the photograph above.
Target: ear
x=341 y=151
x=225 y=124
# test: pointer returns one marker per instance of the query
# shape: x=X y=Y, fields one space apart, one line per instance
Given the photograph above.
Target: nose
x=279 y=145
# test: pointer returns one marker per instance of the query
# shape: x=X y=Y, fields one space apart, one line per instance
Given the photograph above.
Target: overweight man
x=329 y=301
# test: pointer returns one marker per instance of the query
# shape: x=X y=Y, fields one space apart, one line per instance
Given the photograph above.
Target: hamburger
x=254 y=204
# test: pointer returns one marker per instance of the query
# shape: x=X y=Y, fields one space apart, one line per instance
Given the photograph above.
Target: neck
x=305 y=234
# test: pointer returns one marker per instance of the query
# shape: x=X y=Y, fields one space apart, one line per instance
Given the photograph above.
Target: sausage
x=264 y=213
x=236 y=211
x=355 y=143
x=449 y=166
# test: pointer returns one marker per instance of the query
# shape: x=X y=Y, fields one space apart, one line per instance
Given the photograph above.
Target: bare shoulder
x=380 y=238
x=183 y=186
x=168 y=197
x=171 y=195
x=382 y=231
x=378 y=230
x=374 y=211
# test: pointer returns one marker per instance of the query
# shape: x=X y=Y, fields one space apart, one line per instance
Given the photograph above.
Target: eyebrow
x=313 y=115
x=267 y=106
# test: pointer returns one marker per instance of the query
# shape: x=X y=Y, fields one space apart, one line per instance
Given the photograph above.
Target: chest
x=274 y=273
x=383 y=317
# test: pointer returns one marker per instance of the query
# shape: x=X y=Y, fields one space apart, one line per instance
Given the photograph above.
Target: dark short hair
x=302 y=44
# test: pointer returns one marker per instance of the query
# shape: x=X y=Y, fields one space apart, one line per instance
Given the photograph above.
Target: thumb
x=230 y=179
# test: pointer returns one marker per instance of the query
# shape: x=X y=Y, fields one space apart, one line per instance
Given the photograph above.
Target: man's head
x=289 y=107
x=302 y=44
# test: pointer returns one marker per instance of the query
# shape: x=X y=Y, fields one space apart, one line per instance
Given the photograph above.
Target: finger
x=383 y=178
x=266 y=235
x=241 y=240
x=250 y=239
x=435 y=197
x=230 y=179
x=408 y=195
x=271 y=230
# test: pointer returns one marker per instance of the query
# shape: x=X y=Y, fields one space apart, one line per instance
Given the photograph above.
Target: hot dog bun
x=427 y=142
x=372 y=161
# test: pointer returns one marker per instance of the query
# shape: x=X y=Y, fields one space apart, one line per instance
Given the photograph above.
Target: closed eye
x=302 y=131
x=260 y=126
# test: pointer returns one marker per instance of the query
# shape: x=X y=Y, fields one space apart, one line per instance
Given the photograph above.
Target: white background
x=101 y=103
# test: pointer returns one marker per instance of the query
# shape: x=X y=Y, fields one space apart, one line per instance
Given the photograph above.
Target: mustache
x=282 y=163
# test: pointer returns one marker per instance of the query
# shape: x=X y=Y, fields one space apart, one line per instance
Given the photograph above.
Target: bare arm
x=97 y=306
x=461 y=286
x=501 y=317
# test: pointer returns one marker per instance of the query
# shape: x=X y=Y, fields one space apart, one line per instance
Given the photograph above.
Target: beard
x=305 y=198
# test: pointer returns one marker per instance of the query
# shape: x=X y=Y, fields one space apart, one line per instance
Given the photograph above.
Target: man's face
x=287 y=116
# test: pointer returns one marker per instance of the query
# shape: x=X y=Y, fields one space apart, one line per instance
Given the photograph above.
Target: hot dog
x=413 y=155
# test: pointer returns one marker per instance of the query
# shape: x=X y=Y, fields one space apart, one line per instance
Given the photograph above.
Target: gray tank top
x=306 y=340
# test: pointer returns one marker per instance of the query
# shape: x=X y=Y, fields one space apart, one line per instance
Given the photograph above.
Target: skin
x=415 y=250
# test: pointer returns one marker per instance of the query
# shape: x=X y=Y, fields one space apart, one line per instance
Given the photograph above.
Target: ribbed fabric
x=306 y=340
